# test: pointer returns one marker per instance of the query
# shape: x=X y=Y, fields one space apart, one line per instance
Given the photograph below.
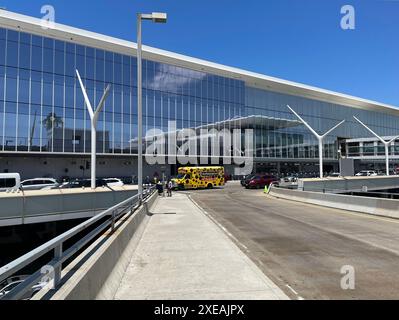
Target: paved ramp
x=185 y=255
x=303 y=248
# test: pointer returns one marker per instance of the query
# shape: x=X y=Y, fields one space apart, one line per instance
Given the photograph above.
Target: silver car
x=114 y=182
x=12 y=283
x=334 y=175
x=366 y=173
x=39 y=184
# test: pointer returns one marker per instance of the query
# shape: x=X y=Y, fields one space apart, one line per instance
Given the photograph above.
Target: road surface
x=303 y=248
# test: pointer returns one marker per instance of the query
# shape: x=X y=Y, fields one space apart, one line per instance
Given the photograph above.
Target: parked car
x=289 y=179
x=39 y=184
x=383 y=173
x=113 y=182
x=10 y=181
x=260 y=181
x=71 y=184
x=81 y=183
x=10 y=283
x=246 y=179
x=11 y=279
x=334 y=175
x=366 y=173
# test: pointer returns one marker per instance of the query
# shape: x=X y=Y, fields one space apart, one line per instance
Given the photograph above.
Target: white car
x=13 y=282
x=114 y=182
x=334 y=175
x=366 y=173
x=39 y=184
x=290 y=179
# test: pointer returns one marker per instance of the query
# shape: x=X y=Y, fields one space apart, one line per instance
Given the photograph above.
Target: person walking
x=170 y=187
x=159 y=188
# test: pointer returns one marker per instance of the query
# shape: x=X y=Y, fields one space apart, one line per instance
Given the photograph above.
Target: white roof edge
x=252 y=79
x=370 y=139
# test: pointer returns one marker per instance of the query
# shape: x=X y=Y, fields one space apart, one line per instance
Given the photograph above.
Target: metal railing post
x=55 y=245
x=58 y=269
x=113 y=221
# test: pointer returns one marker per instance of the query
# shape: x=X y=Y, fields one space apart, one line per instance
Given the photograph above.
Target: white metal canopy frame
x=320 y=138
x=94 y=114
x=157 y=17
x=386 y=143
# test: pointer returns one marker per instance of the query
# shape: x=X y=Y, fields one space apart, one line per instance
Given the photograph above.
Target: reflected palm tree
x=50 y=122
x=32 y=132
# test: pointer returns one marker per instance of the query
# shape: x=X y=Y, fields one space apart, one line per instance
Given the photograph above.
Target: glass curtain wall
x=296 y=141
x=42 y=107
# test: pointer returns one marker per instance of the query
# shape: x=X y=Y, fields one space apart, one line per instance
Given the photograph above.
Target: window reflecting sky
x=42 y=108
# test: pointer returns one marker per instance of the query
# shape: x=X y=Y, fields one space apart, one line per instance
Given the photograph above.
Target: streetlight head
x=159 y=17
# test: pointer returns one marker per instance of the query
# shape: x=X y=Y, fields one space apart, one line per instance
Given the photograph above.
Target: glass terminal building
x=45 y=125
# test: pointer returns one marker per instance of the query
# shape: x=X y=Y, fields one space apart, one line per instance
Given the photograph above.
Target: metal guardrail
x=56 y=245
x=31 y=206
x=372 y=194
x=312 y=189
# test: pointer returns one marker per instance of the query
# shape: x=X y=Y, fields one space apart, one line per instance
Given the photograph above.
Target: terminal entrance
x=301 y=169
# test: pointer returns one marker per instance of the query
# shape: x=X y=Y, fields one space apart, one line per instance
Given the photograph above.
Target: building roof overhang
x=62 y=32
x=242 y=123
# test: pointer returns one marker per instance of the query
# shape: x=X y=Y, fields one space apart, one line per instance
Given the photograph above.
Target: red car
x=260 y=181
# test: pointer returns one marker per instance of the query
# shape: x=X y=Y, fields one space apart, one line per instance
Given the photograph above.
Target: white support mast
x=320 y=138
x=94 y=114
x=386 y=144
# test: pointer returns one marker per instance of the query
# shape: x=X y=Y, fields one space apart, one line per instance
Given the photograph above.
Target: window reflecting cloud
x=173 y=79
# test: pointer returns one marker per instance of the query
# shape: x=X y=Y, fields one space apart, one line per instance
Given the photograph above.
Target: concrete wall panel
x=375 y=206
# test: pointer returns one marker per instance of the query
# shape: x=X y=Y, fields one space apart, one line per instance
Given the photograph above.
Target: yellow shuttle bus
x=199 y=177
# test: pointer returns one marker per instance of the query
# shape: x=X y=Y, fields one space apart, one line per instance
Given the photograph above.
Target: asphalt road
x=302 y=248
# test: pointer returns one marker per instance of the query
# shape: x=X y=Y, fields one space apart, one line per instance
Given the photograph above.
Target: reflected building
x=75 y=141
x=43 y=115
x=369 y=153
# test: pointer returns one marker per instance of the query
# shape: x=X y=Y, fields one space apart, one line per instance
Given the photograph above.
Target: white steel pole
x=157 y=17
x=93 y=120
x=93 y=154
x=319 y=138
x=386 y=144
x=387 y=158
x=321 y=156
x=139 y=111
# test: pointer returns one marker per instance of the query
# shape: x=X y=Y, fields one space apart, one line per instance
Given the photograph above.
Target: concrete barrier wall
x=97 y=272
x=349 y=183
x=53 y=205
x=375 y=206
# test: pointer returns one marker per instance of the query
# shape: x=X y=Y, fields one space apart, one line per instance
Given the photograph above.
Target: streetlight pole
x=386 y=144
x=156 y=17
x=139 y=110
x=320 y=138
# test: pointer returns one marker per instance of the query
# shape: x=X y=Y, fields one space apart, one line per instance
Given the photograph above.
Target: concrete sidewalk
x=184 y=255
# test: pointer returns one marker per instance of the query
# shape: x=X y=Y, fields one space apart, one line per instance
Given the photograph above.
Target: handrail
x=56 y=244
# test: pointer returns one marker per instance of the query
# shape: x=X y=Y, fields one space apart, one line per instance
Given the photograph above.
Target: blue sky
x=298 y=40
